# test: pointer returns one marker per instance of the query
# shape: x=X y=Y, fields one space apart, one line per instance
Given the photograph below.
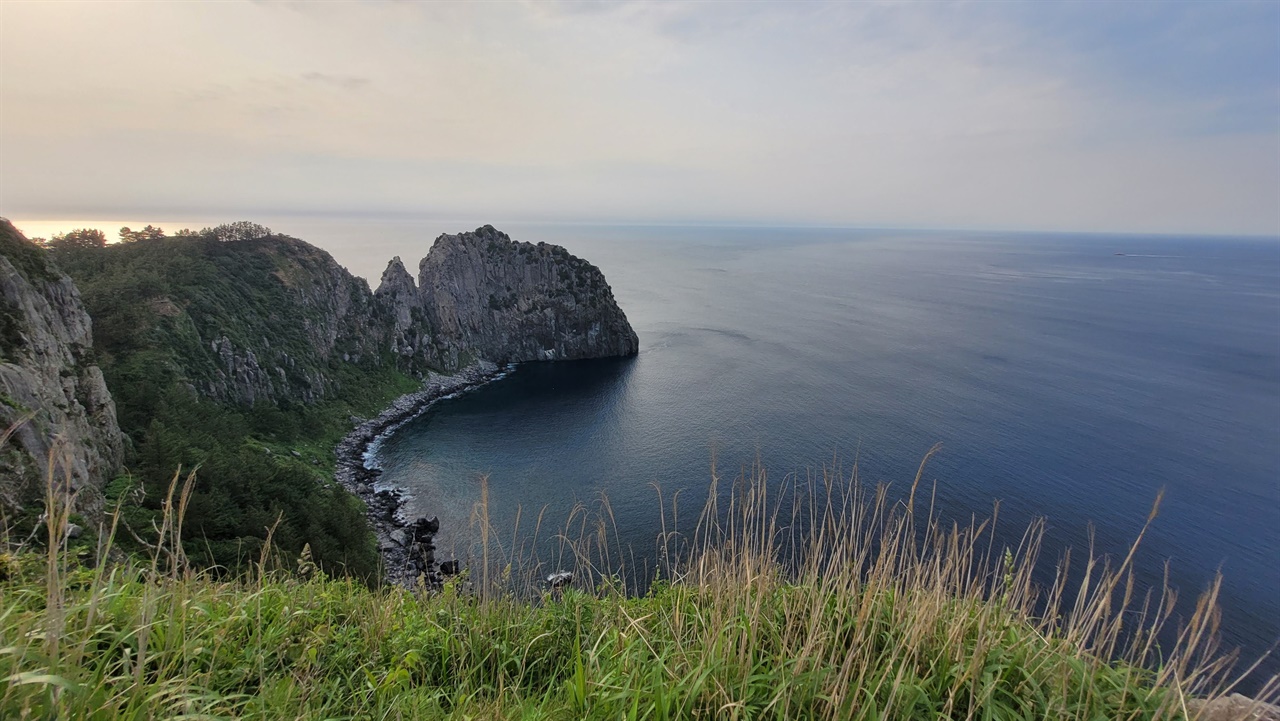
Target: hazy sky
x=1033 y=115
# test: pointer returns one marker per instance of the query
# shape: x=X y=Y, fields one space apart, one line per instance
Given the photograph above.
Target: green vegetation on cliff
x=243 y=360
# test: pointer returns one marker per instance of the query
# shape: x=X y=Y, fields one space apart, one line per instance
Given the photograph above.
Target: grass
x=830 y=602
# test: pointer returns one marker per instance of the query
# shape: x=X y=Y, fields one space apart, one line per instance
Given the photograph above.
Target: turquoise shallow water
x=1062 y=379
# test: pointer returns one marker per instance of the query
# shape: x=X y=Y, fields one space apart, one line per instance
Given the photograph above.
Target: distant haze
x=1144 y=117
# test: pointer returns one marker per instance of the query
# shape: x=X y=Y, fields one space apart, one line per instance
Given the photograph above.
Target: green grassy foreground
x=881 y=615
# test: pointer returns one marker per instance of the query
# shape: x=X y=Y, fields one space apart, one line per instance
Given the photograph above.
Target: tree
x=78 y=239
x=237 y=231
x=148 y=233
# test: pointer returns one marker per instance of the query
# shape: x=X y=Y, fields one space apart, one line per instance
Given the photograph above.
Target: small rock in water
x=450 y=568
x=560 y=579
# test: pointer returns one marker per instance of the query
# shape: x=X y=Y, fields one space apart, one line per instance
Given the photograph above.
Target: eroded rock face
x=483 y=295
x=52 y=395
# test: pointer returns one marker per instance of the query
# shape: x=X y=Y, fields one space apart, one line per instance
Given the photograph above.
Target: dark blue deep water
x=1062 y=379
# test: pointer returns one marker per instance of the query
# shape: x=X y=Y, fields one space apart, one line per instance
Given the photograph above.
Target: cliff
x=483 y=295
x=50 y=386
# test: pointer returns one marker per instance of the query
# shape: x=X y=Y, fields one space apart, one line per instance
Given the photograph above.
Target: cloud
x=342 y=82
x=1035 y=115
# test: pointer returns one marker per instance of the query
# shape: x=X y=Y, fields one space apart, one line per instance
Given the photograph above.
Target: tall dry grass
x=882 y=599
x=825 y=600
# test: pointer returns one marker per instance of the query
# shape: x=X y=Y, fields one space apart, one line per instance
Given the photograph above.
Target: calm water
x=1062 y=380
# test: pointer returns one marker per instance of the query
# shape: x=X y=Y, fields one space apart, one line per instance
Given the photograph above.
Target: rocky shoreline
x=406 y=545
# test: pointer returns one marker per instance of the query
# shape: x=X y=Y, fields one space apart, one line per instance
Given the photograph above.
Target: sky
x=1092 y=116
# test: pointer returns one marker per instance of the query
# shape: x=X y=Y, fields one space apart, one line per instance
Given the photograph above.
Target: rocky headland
x=478 y=296
x=268 y=328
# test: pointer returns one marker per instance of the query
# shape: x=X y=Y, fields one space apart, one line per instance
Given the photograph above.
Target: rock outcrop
x=483 y=295
x=54 y=403
x=398 y=293
x=411 y=337
x=478 y=296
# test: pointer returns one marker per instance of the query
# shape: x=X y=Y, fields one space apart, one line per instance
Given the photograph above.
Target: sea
x=1069 y=377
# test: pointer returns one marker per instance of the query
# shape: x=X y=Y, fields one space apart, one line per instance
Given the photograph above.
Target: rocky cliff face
x=411 y=336
x=53 y=399
x=483 y=295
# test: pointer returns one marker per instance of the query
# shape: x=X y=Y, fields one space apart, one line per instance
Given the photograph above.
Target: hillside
x=242 y=359
x=265 y=319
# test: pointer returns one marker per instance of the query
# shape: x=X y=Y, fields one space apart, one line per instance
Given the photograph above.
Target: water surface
x=1062 y=379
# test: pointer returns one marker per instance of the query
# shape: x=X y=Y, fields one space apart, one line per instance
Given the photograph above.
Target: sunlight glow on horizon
x=47 y=228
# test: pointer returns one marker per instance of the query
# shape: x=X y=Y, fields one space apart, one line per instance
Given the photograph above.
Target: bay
x=1066 y=376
